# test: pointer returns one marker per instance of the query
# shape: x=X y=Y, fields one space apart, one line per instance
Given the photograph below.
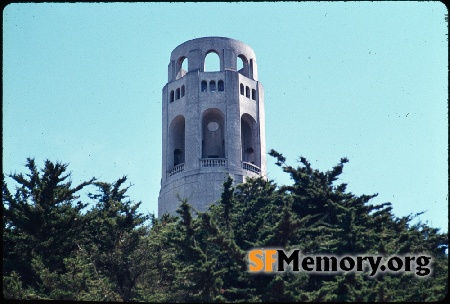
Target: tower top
x=195 y=50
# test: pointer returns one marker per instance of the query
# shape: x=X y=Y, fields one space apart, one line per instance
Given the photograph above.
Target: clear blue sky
x=82 y=84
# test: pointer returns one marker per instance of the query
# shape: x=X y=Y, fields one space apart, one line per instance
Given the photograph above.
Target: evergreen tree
x=42 y=220
x=114 y=231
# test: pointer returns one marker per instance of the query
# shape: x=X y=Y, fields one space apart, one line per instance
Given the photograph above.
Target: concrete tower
x=212 y=122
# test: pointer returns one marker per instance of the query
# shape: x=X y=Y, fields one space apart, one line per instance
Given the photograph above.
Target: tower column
x=207 y=119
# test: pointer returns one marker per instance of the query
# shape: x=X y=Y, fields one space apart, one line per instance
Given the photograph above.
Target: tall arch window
x=183 y=89
x=204 y=85
x=212 y=86
x=249 y=155
x=249 y=142
x=242 y=65
x=172 y=96
x=184 y=64
x=177 y=94
x=220 y=86
x=213 y=140
x=177 y=154
x=212 y=62
x=247 y=92
x=239 y=64
x=182 y=67
x=242 y=89
x=177 y=141
x=253 y=94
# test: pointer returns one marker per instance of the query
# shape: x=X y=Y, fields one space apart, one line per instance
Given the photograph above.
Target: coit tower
x=212 y=122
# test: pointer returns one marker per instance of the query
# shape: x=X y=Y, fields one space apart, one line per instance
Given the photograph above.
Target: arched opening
x=212 y=62
x=249 y=140
x=220 y=85
x=177 y=141
x=183 y=89
x=247 y=92
x=213 y=140
x=239 y=64
x=177 y=94
x=242 y=89
x=249 y=155
x=182 y=67
x=253 y=94
x=242 y=65
x=177 y=154
x=204 y=85
x=172 y=94
x=212 y=86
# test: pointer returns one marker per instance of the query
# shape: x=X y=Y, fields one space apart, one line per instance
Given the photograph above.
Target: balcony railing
x=251 y=167
x=213 y=162
x=177 y=169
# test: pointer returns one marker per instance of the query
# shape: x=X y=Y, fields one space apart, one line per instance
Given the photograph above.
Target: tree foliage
x=103 y=249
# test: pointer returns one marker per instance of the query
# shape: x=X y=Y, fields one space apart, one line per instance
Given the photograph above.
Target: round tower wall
x=212 y=123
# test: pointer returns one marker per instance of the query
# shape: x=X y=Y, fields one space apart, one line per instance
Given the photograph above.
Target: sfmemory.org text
x=277 y=261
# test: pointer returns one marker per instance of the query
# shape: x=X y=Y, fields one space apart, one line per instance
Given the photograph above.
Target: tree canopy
x=56 y=246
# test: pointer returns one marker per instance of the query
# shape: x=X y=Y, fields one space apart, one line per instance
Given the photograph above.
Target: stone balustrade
x=213 y=162
x=177 y=169
x=251 y=167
